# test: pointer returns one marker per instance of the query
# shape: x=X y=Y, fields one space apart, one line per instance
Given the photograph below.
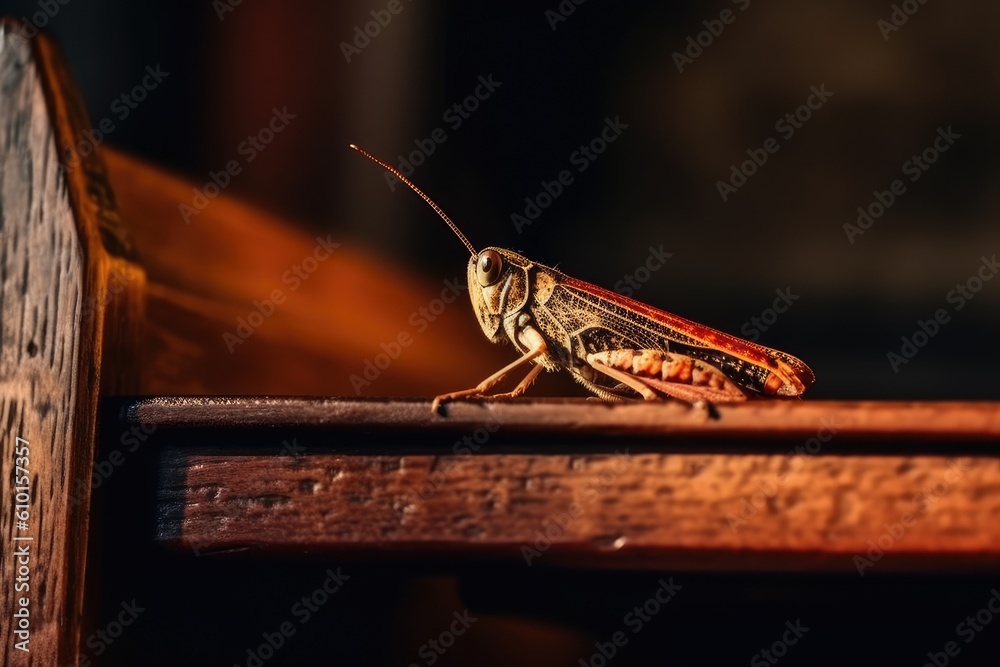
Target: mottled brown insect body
x=614 y=346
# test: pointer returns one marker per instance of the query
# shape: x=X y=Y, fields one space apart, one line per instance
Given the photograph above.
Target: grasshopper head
x=498 y=288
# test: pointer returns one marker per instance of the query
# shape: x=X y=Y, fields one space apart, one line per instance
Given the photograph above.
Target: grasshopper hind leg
x=654 y=373
x=613 y=395
x=629 y=381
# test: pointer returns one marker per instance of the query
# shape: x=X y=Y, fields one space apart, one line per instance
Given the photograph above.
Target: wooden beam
x=69 y=297
x=887 y=420
x=764 y=486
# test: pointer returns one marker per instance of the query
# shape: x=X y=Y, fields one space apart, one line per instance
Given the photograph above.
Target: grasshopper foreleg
x=537 y=348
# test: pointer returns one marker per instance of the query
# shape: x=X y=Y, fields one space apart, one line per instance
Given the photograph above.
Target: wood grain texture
x=777 y=485
x=61 y=241
x=673 y=511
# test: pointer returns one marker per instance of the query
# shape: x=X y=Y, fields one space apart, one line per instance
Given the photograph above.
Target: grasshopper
x=616 y=347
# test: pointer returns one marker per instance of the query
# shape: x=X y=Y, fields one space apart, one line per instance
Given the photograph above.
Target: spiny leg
x=611 y=395
x=694 y=395
x=523 y=385
x=683 y=378
x=626 y=379
x=538 y=348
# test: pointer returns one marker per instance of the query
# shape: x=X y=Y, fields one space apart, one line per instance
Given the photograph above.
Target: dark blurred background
x=893 y=88
x=230 y=65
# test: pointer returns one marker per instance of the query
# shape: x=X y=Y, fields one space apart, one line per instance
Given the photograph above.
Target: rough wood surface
x=768 y=485
x=673 y=511
x=61 y=242
x=900 y=420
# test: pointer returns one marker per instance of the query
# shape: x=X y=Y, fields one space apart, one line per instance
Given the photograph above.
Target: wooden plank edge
x=909 y=420
x=99 y=337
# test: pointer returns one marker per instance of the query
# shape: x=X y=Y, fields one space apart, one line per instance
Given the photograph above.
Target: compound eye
x=488 y=267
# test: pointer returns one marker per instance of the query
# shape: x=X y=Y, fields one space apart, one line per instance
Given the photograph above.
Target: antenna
x=395 y=172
